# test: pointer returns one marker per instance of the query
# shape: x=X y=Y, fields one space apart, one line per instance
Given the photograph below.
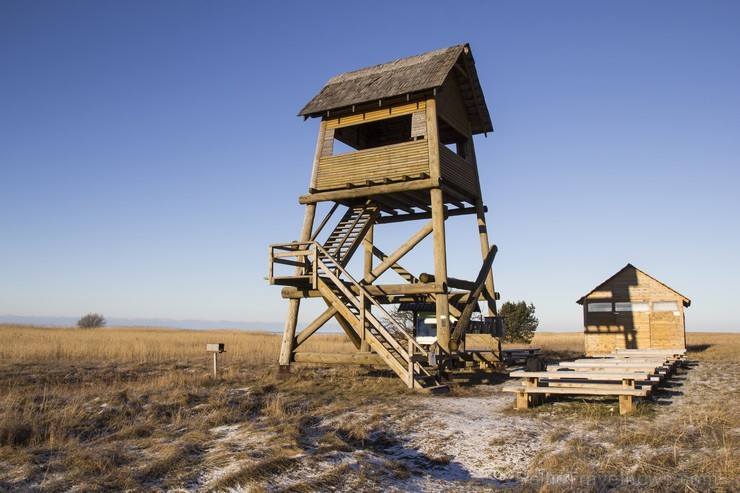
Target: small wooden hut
x=633 y=310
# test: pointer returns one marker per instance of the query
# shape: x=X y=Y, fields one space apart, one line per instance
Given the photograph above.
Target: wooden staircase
x=323 y=268
x=393 y=344
x=348 y=234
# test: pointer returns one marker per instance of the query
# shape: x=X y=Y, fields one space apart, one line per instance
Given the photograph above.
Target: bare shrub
x=91 y=321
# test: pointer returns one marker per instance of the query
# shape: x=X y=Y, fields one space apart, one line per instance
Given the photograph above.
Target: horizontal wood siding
x=458 y=172
x=370 y=116
x=451 y=107
x=381 y=163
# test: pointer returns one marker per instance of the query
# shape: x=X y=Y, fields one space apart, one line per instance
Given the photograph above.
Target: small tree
x=520 y=321
x=91 y=321
x=403 y=318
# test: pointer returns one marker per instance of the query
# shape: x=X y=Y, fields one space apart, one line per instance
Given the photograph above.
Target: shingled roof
x=406 y=77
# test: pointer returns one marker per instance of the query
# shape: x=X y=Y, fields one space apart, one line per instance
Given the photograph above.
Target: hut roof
x=406 y=77
x=686 y=301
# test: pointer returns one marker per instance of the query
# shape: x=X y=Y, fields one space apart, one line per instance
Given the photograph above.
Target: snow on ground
x=480 y=440
x=448 y=442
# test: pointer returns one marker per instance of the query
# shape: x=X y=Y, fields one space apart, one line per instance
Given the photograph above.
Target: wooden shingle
x=408 y=77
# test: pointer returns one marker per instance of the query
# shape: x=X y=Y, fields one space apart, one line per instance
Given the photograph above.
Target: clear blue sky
x=149 y=150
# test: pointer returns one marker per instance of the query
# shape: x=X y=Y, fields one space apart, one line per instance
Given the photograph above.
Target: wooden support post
x=522 y=400
x=215 y=348
x=438 y=226
x=287 y=345
x=440 y=270
x=626 y=404
x=410 y=352
x=368 y=268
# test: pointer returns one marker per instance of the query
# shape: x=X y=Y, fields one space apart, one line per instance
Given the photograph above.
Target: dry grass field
x=136 y=409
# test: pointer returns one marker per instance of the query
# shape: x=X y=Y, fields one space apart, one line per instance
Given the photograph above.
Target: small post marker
x=215 y=348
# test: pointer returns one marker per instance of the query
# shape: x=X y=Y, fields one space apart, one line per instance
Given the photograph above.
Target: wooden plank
x=458 y=172
x=452 y=108
x=553 y=375
x=362 y=358
x=593 y=385
x=578 y=391
x=416 y=184
x=390 y=162
x=375 y=115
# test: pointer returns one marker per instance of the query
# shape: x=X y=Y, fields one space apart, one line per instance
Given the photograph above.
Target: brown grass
x=137 y=409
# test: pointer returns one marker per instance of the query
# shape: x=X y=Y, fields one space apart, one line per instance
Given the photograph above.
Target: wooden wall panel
x=380 y=114
x=458 y=171
x=451 y=106
x=378 y=164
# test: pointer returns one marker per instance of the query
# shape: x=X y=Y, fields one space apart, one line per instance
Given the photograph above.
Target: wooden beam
x=286 y=346
x=472 y=87
x=367 y=243
x=378 y=290
x=397 y=268
x=467 y=312
x=363 y=358
x=400 y=252
x=451 y=282
x=425 y=215
x=346 y=326
x=324 y=221
x=314 y=326
x=440 y=270
x=419 y=184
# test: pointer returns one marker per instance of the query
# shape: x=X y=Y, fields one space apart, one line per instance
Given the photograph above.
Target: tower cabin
x=395 y=144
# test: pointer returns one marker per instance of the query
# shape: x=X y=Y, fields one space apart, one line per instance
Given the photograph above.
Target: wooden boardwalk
x=624 y=373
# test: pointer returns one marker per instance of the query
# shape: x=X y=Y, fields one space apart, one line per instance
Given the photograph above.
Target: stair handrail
x=322 y=252
x=295 y=249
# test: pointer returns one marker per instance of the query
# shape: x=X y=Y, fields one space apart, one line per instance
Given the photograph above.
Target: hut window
x=665 y=306
x=632 y=307
x=599 y=307
x=378 y=133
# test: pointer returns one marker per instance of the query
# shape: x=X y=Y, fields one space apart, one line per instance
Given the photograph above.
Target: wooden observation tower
x=395 y=144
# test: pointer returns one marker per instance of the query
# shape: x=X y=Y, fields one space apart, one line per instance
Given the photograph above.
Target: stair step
x=436 y=389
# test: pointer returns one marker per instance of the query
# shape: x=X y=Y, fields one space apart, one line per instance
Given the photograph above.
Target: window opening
x=452 y=139
x=631 y=307
x=369 y=135
x=599 y=307
x=665 y=306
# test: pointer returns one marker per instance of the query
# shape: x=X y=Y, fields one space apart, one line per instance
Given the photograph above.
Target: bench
x=623 y=377
x=616 y=381
x=524 y=394
x=676 y=351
